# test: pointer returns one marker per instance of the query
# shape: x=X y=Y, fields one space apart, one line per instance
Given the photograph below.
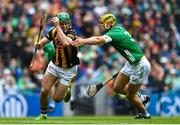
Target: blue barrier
x=164 y=104
x=18 y=105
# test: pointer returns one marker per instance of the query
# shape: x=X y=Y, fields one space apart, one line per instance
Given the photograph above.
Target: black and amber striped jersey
x=65 y=56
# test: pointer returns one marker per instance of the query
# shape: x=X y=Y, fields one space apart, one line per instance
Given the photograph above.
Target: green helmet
x=64 y=17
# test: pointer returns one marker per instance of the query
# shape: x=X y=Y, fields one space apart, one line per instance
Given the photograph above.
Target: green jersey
x=49 y=51
x=123 y=42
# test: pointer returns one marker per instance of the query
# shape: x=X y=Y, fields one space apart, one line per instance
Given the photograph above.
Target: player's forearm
x=93 y=40
x=62 y=36
x=42 y=42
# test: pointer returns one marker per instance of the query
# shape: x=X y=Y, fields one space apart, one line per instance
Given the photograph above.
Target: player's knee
x=45 y=90
x=117 y=89
x=57 y=99
x=129 y=96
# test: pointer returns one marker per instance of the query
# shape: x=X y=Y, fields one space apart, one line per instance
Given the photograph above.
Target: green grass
x=92 y=120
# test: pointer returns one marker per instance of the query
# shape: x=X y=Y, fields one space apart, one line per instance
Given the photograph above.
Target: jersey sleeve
x=71 y=34
x=51 y=34
x=110 y=35
x=107 y=38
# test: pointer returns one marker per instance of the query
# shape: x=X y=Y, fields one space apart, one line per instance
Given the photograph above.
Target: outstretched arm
x=66 y=40
x=95 y=40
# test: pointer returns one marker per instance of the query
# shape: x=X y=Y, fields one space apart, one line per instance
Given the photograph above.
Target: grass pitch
x=92 y=120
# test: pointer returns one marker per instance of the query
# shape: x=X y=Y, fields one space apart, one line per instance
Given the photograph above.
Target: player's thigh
x=60 y=91
x=53 y=88
x=120 y=82
x=48 y=81
x=132 y=90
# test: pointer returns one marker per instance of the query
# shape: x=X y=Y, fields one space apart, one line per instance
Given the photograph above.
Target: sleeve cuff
x=107 y=38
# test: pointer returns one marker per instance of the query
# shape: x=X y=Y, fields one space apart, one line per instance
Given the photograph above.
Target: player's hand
x=65 y=43
x=55 y=21
x=77 y=42
x=38 y=46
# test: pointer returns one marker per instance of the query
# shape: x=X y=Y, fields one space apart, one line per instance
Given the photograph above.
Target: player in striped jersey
x=49 y=53
x=63 y=66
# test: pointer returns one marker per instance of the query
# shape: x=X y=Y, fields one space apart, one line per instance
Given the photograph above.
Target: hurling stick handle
x=99 y=86
x=33 y=58
x=107 y=80
x=42 y=23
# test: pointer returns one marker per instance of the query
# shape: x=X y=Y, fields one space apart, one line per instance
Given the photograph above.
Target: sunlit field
x=92 y=120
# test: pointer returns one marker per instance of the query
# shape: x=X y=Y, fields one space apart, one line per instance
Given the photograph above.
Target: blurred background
x=155 y=24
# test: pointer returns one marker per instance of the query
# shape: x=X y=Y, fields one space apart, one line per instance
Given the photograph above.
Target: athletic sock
x=44 y=112
x=141 y=97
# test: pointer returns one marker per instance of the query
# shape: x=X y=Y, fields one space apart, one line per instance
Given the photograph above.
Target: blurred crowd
x=155 y=25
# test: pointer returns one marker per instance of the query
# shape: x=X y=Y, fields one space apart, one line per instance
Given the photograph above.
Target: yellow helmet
x=108 y=19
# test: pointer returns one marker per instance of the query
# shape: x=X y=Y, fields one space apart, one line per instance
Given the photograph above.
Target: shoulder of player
x=71 y=31
x=116 y=30
x=113 y=30
x=52 y=28
x=117 y=27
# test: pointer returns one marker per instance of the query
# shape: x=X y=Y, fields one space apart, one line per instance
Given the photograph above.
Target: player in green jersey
x=136 y=70
x=49 y=52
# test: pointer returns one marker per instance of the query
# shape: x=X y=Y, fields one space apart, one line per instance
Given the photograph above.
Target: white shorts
x=139 y=72
x=65 y=75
